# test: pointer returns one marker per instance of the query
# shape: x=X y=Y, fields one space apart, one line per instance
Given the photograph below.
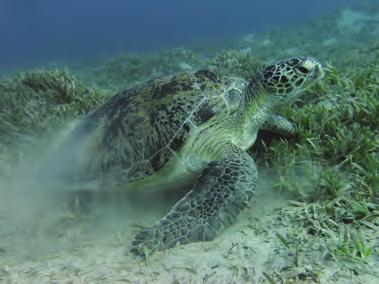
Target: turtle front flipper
x=221 y=192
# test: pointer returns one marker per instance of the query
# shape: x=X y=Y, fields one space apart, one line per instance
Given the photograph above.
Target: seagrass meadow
x=315 y=218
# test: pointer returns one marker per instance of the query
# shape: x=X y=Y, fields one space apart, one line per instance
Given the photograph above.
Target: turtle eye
x=303 y=70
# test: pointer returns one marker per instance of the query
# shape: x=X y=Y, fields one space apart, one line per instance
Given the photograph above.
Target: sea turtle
x=189 y=129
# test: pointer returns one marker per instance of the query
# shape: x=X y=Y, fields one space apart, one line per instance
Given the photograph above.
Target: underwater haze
x=98 y=98
x=41 y=31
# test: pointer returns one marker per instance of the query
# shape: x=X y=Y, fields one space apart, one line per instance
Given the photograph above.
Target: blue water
x=40 y=31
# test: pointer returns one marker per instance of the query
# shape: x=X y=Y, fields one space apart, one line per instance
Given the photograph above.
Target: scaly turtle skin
x=189 y=129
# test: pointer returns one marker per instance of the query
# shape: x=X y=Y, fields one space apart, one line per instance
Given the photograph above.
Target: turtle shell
x=136 y=132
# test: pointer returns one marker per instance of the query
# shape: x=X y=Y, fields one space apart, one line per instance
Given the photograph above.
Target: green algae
x=34 y=102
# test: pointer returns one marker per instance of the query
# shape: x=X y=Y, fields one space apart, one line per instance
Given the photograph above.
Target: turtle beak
x=318 y=73
x=314 y=68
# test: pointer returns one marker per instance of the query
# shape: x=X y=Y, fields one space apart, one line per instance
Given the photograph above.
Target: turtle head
x=288 y=78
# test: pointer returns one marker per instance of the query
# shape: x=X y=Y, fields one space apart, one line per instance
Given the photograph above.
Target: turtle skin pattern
x=221 y=192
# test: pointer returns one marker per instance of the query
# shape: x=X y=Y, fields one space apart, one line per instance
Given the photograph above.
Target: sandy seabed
x=93 y=248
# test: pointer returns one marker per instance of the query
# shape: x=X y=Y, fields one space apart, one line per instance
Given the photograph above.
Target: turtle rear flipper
x=221 y=192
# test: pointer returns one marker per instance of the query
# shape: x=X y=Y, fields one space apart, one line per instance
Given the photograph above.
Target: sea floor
x=92 y=247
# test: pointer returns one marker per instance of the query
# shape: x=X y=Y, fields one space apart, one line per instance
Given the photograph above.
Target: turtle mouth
x=318 y=73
